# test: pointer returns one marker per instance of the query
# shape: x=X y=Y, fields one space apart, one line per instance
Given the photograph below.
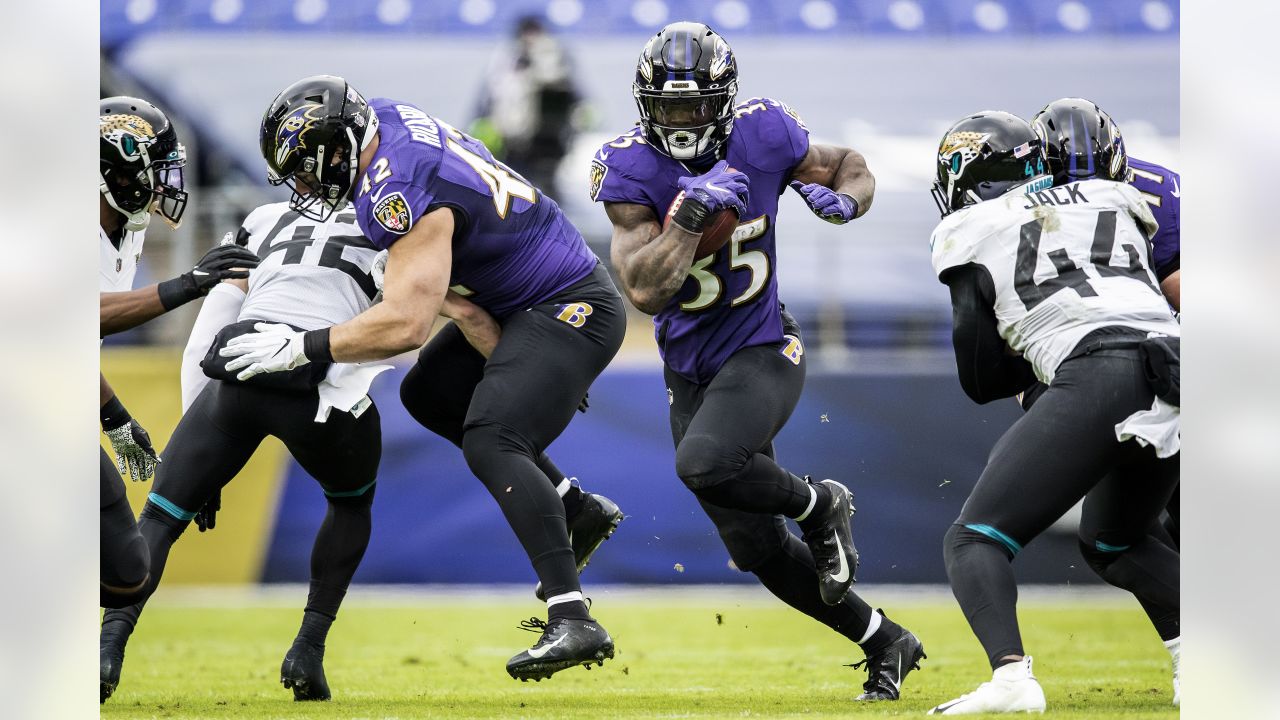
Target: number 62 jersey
x=1063 y=262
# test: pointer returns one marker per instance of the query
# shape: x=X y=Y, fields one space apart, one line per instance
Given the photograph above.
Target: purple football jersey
x=512 y=247
x=1160 y=188
x=730 y=299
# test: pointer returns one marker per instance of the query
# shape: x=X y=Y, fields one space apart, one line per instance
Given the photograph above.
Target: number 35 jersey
x=313 y=274
x=1063 y=261
x=729 y=300
x=512 y=246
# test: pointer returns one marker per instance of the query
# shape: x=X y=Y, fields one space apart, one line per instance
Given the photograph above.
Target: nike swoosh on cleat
x=843 y=575
x=540 y=651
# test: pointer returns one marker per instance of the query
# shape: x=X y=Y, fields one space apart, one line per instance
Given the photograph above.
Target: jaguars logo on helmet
x=984 y=156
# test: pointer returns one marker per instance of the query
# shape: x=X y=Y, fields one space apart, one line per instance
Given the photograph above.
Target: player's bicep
x=418 y=264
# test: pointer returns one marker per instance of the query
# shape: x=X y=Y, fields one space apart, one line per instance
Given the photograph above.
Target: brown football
x=715 y=233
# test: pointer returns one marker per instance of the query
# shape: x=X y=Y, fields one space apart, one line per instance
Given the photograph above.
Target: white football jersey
x=313 y=274
x=1064 y=261
x=116 y=267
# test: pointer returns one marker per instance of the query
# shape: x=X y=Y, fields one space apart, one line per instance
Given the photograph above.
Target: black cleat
x=832 y=545
x=303 y=672
x=110 y=660
x=888 y=668
x=564 y=644
x=593 y=524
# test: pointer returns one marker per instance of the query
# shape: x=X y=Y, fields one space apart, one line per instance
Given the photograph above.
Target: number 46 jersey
x=1063 y=262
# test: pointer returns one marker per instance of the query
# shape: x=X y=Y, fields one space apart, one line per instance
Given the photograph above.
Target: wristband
x=113 y=414
x=315 y=345
x=854 y=202
x=691 y=216
x=178 y=291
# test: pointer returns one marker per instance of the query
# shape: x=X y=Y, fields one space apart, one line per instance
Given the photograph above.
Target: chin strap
x=134 y=221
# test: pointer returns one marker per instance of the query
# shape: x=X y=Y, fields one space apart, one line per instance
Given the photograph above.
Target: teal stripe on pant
x=169 y=507
x=1010 y=544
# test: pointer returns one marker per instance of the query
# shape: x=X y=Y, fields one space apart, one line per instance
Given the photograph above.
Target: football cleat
x=832 y=545
x=564 y=644
x=595 y=522
x=303 y=672
x=1175 y=650
x=1013 y=688
x=888 y=668
x=110 y=660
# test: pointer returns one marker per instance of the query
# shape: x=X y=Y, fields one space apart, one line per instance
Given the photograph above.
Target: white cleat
x=1175 y=650
x=1012 y=689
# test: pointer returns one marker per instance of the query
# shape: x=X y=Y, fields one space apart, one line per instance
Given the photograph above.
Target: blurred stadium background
x=882 y=411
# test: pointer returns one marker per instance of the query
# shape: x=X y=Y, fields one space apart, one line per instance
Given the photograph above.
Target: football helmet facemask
x=141 y=162
x=986 y=155
x=685 y=87
x=311 y=137
x=1080 y=142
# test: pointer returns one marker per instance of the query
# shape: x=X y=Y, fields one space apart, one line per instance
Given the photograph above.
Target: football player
x=1081 y=142
x=140 y=172
x=312 y=274
x=734 y=359
x=1049 y=283
x=454 y=218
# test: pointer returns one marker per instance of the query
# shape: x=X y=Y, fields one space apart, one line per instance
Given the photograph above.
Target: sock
x=792 y=577
x=315 y=628
x=982 y=581
x=567 y=606
x=820 y=500
x=571 y=495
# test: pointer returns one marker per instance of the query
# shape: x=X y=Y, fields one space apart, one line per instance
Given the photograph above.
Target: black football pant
x=1064 y=449
x=505 y=412
x=124 y=563
x=723 y=433
x=212 y=443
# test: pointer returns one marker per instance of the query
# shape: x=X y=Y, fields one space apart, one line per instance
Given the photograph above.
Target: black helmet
x=141 y=160
x=311 y=137
x=1080 y=141
x=685 y=87
x=984 y=156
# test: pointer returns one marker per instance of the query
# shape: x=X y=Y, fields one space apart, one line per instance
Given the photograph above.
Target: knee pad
x=703 y=461
x=961 y=534
x=481 y=444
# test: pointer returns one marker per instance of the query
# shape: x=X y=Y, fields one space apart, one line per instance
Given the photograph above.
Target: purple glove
x=718 y=189
x=826 y=203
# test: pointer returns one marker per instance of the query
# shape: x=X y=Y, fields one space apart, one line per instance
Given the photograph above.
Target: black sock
x=791 y=576
x=813 y=521
x=315 y=629
x=572 y=610
x=983 y=583
x=572 y=500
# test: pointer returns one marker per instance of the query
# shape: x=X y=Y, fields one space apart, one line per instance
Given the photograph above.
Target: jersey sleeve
x=778 y=137
x=1137 y=206
x=388 y=212
x=615 y=176
x=1166 y=244
x=949 y=247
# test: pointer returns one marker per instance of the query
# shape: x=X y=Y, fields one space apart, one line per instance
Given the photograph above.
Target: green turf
x=447 y=660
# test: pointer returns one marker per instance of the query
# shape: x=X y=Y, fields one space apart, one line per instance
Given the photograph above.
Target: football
x=715 y=233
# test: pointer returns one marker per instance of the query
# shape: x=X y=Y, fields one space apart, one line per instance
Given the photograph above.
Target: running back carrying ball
x=716 y=232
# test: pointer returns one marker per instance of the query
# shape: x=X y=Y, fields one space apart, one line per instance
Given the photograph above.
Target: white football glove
x=273 y=348
x=379 y=270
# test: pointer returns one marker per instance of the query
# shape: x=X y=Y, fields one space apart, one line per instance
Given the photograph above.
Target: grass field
x=693 y=656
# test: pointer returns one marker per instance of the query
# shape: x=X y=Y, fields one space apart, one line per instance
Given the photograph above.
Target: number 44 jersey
x=1063 y=262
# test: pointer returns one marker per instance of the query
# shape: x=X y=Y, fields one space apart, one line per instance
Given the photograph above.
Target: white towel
x=346 y=387
x=1161 y=426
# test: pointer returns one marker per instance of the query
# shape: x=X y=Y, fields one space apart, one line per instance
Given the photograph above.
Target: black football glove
x=224 y=262
x=207 y=518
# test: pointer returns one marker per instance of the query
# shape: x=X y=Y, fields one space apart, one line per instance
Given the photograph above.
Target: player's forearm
x=384 y=330
x=854 y=178
x=1172 y=288
x=655 y=272
x=105 y=393
x=119 y=311
x=477 y=325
